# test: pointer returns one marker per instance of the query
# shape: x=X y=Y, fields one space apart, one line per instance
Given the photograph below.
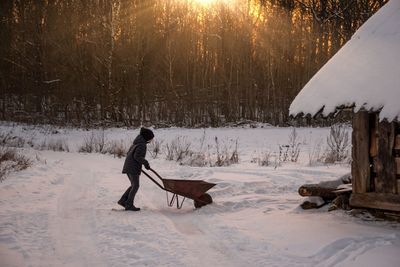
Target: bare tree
x=167 y=62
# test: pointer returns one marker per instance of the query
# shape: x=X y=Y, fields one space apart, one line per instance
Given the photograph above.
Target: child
x=135 y=158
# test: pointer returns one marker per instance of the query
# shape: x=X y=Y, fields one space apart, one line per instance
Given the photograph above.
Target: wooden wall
x=360 y=166
x=397 y=156
x=376 y=162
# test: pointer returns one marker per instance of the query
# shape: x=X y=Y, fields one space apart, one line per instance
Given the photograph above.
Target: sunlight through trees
x=182 y=62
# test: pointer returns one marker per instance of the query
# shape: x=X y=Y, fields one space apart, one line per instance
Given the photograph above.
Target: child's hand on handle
x=147 y=165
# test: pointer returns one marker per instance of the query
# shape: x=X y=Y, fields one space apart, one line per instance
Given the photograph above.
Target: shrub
x=11 y=160
x=94 y=143
x=178 y=149
x=291 y=150
x=338 y=144
x=117 y=148
x=55 y=145
x=219 y=154
x=314 y=153
x=264 y=159
x=197 y=159
x=10 y=140
x=227 y=154
x=154 y=148
x=294 y=146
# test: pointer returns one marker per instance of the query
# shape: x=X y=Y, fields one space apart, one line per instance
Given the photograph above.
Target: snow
x=59 y=211
x=364 y=72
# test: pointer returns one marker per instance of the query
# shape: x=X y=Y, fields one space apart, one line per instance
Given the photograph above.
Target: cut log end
x=308 y=190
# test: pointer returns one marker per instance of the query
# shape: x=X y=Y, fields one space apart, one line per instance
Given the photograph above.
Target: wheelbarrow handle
x=151 y=178
x=159 y=176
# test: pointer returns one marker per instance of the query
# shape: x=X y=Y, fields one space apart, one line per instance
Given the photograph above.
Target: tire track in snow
x=190 y=240
x=185 y=234
x=348 y=249
x=73 y=222
x=204 y=232
x=26 y=216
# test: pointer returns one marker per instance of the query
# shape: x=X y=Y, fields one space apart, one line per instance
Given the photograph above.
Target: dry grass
x=11 y=160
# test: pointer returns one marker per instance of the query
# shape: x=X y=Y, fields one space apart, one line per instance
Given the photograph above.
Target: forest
x=166 y=62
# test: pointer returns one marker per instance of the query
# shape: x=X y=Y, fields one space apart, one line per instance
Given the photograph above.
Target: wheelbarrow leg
x=173 y=199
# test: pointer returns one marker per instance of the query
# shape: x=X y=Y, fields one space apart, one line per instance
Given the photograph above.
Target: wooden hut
x=365 y=75
x=376 y=162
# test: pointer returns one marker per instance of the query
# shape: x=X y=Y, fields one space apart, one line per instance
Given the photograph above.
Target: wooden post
x=397 y=143
x=360 y=167
x=385 y=181
x=373 y=125
x=398 y=186
x=397 y=165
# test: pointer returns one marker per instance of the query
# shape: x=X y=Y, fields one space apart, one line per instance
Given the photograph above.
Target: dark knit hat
x=147 y=134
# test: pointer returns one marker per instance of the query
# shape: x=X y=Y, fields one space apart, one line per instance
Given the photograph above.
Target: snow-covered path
x=59 y=213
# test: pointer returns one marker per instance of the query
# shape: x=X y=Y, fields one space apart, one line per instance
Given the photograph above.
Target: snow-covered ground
x=59 y=211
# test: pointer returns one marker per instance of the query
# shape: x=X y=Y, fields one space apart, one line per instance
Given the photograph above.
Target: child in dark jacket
x=134 y=160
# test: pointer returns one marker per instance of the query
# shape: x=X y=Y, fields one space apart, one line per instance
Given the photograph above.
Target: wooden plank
x=397 y=160
x=374 y=121
x=398 y=186
x=397 y=143
x=360 y=166
x=385 y=181
x=374 y=161
x=376 y=201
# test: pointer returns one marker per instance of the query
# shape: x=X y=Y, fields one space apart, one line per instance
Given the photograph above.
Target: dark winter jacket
x=136 y=156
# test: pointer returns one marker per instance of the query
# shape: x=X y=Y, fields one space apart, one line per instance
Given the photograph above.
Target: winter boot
x=122 y=202
x=132 y=208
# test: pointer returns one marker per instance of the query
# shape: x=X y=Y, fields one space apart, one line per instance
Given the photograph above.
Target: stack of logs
x=336 y=192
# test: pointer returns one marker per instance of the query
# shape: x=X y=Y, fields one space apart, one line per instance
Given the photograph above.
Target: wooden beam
x=398 y=186
x=374 y=121
x=397 y=143
x=385 y=181
x=360 y=166
x=397 y=160
x=376 y=201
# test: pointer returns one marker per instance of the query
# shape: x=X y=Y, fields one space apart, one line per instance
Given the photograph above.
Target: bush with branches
x=94 y=143
x=154 y=148
x=55 y=145
x=12 y=160
x=338 y=144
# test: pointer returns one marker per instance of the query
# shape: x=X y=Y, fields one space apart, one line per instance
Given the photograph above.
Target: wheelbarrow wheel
x=203 y=200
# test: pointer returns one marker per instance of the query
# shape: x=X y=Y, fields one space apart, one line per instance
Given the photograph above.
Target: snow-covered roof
x=365 y=72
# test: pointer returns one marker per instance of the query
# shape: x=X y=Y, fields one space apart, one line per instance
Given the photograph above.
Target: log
x=312 y=204
x=327 y=190
x=316 y=190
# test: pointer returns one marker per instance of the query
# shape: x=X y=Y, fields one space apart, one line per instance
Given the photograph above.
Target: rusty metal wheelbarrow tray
x=193 y=189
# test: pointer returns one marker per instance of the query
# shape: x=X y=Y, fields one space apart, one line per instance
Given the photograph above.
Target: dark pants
x=129 y=196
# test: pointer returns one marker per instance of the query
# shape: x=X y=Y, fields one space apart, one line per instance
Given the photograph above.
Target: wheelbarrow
x=193 y=189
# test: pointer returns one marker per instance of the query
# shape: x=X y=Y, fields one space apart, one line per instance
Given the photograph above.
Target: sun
x=209 y=3
x=205 y=2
